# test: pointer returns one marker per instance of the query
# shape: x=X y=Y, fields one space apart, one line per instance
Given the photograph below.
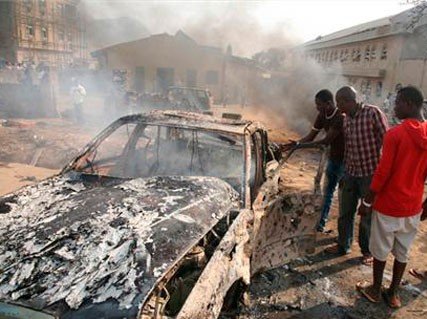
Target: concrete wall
x=165 y=52
x=412 y=72
x=379 y=74
x=184 y=56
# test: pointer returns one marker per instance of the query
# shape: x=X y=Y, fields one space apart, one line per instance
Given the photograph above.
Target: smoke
x=213 y=23
x=291 y=99
x=288 y=96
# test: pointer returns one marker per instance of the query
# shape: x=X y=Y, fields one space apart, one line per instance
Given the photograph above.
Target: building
x=375 y=57
x=154 y=63
x=50 y=31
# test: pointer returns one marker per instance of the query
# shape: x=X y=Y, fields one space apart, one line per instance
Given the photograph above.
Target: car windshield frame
x=245 y=138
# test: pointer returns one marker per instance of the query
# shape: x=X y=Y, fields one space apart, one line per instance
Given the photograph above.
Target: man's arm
x=318 y=125
x=382 y=173
x=310 y=136
x=330 y=136
x=334 y=130
x=380 y=124
x=316 y=128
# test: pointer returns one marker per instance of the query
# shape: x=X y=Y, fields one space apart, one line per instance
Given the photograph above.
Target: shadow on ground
x=323 y=286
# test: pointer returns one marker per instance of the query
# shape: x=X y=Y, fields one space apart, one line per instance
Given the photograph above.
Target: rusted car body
x=191 y=99
x=162 y=215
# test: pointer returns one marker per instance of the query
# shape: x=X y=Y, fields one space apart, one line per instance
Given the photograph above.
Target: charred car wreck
x=162 y=215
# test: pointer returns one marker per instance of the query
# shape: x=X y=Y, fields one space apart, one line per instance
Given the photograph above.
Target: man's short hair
x=324 y=96
x=412 y=95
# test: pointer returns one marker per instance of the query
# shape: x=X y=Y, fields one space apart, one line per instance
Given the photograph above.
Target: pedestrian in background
x=78 y=94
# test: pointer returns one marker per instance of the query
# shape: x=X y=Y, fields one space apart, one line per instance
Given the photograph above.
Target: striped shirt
x=363 y=134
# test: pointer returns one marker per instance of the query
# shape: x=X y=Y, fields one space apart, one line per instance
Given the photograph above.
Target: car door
x=284 y=221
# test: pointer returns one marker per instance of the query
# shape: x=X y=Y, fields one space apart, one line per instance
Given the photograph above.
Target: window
x=367 y=53
x=164 y=78
x=59 y=9
x=44 y=33
x=379 y=89
x=42 y=7
x=139 y=84
x=107 y=157
x=61 y=35
x=345 y=55
x=29 y=31
x=373 y=52
x=28 y=4
x=191 y=77
x=384 y=52
x=147 y=150
x=356 y=55
x=368 y=88
x=212 y=77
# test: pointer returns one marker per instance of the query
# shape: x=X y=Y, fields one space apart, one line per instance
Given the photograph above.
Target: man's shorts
x=392 y=234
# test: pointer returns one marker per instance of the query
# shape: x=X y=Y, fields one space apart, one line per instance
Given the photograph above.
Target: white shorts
x=392 y=234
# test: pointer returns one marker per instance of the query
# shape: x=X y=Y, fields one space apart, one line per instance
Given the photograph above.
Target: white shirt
x=78 y=93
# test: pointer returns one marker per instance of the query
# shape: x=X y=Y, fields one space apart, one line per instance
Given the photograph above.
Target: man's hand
x=288 y=146
x=424 y=213
x=364 y=210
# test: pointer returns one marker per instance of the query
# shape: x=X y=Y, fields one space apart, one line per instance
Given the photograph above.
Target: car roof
x=191 y=120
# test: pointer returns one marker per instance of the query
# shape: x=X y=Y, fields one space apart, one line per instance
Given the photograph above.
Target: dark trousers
x=351 y=191
x=334 y=173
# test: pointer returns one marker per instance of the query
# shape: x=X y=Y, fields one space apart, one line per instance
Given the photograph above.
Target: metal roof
x=364 y=27
x=403 y=22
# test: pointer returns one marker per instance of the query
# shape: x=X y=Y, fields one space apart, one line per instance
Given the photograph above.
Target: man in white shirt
x=78 y=94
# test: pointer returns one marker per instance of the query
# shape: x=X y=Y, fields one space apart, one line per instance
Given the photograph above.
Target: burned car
x=190 y=98
x=163 y=215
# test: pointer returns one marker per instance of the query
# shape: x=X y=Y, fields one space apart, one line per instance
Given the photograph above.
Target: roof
x=194 y=88
x=395 y=24
x=179 y=35
x=352 y=30
x=192 y=120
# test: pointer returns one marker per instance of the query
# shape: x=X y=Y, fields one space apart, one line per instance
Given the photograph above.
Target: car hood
x=79 y=244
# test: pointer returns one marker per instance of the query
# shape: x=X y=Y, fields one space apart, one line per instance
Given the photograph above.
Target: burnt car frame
x=169 y=223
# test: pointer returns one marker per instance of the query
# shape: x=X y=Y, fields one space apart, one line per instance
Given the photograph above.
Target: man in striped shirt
x=364 y=128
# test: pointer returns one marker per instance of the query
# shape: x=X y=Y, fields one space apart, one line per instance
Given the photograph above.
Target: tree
x=272 y=59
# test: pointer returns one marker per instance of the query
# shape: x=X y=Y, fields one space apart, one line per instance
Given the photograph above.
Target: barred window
x=384 y=52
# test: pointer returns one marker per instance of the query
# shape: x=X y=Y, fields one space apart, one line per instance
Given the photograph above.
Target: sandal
x=364 y=288
x=421 y=275
x=393 y=301
x=367 y=260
